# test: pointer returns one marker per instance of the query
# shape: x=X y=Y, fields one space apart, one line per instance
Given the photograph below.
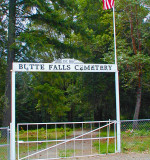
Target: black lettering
x=96 y=67
x=105 y=67
x=42 y=66
x=55 y=67
x=68 y=67
x=110 y=66
x=20 y=66
x=76 y=67
x=92 y=68
x=50 y=67
x=36 y=65
x=65 y=67
x=25 y=67
x=87 y=67
x=31 y=65
x=59 y=67
x=81 y=68
x=101 y=68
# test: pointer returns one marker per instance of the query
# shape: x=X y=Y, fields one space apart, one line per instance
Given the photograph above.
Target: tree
x=82 y=30
x=65 y=29
x=50 y=35
x=3 y=42
x=136 y=59
x=10 y=59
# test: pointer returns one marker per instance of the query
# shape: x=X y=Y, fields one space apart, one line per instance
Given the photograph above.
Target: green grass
x=137 y=145
x=51 y=134
x=103 y=133
x=131 y=141
x=69 y=153
x=32 y=136
x=3 y=149
x=102 y=147
x=3 y=153
x=135 y=133
x=136 y=141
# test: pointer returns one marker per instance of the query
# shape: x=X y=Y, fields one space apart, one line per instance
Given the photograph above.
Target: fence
x=135 y=135
x=76 y=139
x=4 y=143
x=70 y=139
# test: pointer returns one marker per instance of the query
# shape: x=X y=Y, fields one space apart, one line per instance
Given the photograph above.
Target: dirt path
x=117 y=156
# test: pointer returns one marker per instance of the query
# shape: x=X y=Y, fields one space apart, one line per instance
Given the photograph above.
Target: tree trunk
x=10 y=59
x=138 y=66
x=138 y=103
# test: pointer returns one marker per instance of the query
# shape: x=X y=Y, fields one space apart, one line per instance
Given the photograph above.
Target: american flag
x=107 y=4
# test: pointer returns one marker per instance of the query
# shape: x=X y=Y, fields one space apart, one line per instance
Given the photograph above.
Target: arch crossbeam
x=63 y=67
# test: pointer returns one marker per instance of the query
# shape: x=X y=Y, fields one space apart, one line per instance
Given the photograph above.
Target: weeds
x=67 y=153
x=135 y=141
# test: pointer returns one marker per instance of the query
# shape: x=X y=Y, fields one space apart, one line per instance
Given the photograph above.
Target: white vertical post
x=115 y=135
x=8 y=147
x=117 y=88
x=65 y=140
x=56 y=139
x=46 y=142
x=12 y=127
x=91 y=139
x=118 y=112
x=99 y=138
x=18 y=139
x=74 y=138
x=114 y=24
x=82 y=139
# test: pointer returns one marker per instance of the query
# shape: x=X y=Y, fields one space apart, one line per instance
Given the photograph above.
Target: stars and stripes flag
x=108 y=4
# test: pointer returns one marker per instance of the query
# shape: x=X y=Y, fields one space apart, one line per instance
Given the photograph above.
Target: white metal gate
x=65 y=140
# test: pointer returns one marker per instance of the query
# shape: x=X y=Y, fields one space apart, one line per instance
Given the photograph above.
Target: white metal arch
x=60 y=65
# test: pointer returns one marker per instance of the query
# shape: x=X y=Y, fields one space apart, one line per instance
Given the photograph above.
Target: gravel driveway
x=117 y=156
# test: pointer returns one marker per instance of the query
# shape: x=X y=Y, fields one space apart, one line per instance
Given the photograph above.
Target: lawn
x=136 y=141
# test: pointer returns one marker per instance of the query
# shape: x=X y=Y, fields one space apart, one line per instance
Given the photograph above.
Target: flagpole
x=117 y=88
x=114 y=34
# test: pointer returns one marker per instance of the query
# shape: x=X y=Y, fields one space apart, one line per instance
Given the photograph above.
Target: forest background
x=45 y=30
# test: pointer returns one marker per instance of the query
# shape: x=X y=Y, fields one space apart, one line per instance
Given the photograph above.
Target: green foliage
x=135 y=141
x=84 y=31
x=25 y=109
x=51 y=99
x=67 y=153
x=51 y=134
x=136 y=145
x=135 y=133
x=102 y=147
x=3 y=64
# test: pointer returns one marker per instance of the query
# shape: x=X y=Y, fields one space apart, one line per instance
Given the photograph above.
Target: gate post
x=8 y=143
x=12 y=125
x=118 y=112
